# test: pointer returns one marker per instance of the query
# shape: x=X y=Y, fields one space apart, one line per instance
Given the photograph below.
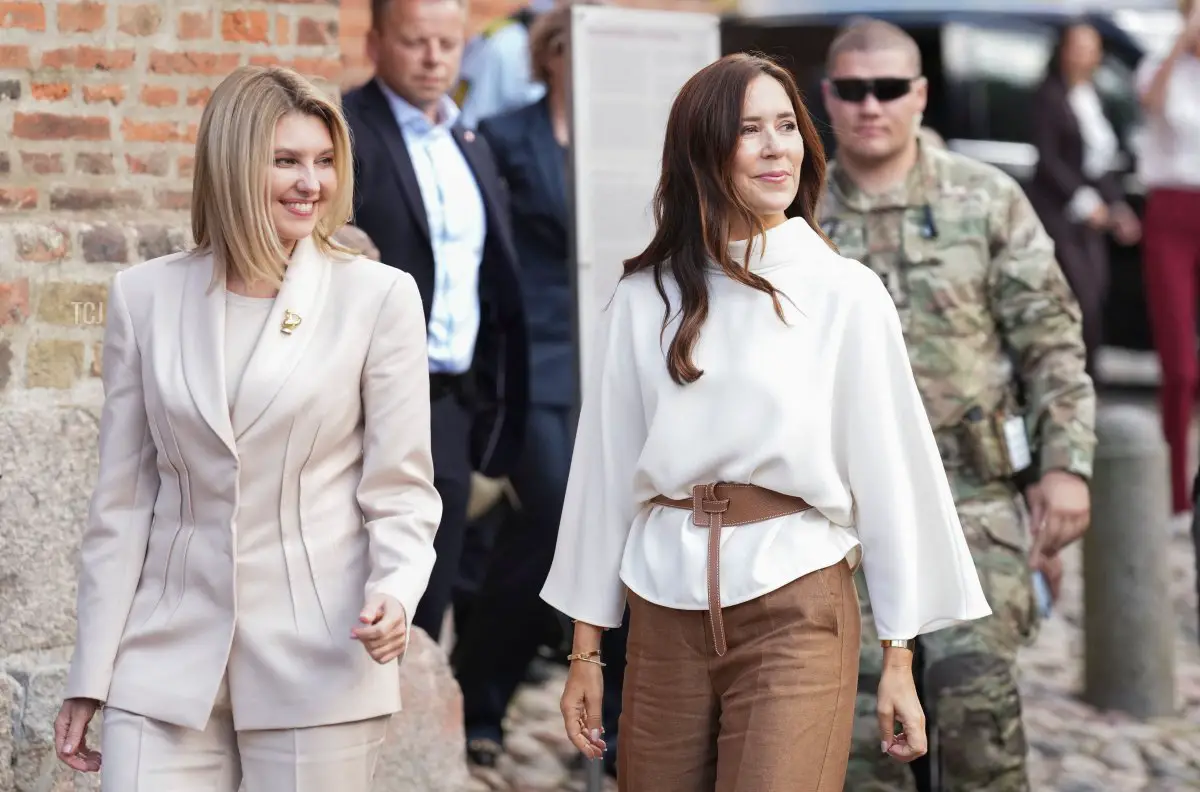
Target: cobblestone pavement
x=1073 y=748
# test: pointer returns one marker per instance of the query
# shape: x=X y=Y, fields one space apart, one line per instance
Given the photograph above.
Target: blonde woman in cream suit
x=262 y=526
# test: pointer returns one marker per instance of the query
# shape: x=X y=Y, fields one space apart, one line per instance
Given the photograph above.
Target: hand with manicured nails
x=386 y=635
x=70 y=735
x=898 y=701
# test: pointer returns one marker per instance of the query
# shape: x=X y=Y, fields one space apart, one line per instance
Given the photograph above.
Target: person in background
x=1074 y=189
x=263 y=521
x=509 y=620
x=750 y=432
x=1169 y=166
x=496 y=76
x=995 y=340
x=429 y=197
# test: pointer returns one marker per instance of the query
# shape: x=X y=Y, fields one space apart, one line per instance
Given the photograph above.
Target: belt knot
x=705 y=503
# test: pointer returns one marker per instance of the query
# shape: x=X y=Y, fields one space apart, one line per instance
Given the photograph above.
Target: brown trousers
x=774 y=714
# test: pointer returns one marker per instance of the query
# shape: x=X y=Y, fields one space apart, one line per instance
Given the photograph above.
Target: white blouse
x=1169 y=154
x=823 y=407
x=1100 y=147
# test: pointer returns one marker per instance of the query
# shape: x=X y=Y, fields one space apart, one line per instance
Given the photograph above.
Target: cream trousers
x=144 y=755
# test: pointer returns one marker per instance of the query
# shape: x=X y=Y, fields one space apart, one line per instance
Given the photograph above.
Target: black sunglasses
x=885 y=89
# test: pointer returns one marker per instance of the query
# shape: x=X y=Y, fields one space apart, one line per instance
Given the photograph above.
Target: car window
x=995 y=72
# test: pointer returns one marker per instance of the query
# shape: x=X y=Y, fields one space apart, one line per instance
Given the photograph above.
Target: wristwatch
x=897 y=643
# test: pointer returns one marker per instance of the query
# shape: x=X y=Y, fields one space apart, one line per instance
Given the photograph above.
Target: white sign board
x=626 y=67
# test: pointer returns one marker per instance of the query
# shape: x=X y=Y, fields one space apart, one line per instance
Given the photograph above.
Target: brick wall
x=99 y=105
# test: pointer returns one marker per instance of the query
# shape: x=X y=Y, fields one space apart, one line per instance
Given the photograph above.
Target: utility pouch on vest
x=996 y=443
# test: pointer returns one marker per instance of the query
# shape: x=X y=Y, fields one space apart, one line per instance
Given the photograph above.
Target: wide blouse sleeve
x=918 y=568
x=584 y=581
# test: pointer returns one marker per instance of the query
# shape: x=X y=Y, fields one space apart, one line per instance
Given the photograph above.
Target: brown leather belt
x=716 y=505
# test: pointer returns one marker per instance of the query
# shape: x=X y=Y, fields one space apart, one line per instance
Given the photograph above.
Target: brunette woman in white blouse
x=1075 y=191
x=750 y=431
x=1169 y=166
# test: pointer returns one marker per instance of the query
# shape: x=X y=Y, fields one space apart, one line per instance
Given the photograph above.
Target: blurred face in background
x=417 y=48
x=875 y=101
x=1082 y=51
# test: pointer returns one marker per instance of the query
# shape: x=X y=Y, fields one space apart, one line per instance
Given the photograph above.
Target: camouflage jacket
x=988 y=316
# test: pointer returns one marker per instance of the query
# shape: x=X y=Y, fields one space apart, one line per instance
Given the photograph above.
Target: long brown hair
x=696 y=202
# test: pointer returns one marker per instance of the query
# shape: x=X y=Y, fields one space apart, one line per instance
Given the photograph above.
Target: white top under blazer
x=824 y=407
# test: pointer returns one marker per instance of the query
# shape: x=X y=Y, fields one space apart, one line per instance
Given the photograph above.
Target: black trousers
x=508 y=618
x=451 y=433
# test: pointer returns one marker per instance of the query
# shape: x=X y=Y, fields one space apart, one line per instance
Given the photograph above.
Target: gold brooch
x=291 y=320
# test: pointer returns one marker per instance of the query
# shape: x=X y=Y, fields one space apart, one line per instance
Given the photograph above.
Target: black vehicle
x=983 y=68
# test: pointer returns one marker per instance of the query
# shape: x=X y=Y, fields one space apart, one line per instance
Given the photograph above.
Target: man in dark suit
x=428 y=195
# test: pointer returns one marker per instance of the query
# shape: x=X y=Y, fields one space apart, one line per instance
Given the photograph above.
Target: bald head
x=872 y=36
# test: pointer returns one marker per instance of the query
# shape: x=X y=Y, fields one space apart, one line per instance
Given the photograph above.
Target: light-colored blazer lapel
x=202 y=346
x=276 y=353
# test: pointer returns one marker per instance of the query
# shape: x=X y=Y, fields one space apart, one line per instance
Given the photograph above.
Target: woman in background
x=1169 y=166
x=263 y=520
x=1074 y=189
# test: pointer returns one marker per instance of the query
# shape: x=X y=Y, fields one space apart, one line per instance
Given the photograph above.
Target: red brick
x=14 y=301
x=194 y=25
x=159 y=96
x=166 y=62
x=150 y=131
x=139 y=20
x=18 y=198
x=155 y=164
x=329 y=68
x=95 y=163
x=81 y=17
x=77 y=199
x=198 y=96
x=252 y=26
x=186 y=166
x=88 y=58
x=42 y=244
x=283 y=30
x=50 y=126
x=265 y=60
x=14 y=57
x=41 y=163
x=30 y=16
x=95 y=94
x=52 y=92
x=174 y=200
x=316 y=32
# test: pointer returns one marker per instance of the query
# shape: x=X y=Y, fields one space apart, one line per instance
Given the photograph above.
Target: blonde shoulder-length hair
x=231 y=216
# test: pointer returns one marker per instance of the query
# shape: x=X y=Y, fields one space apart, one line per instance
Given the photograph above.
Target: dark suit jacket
x=1059 y=170
x=532 y=164
x=388 y=207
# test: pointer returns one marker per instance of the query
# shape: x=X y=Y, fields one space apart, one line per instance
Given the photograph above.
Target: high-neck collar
x=786 y=244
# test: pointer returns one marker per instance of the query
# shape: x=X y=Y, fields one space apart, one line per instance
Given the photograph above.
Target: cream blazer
x=244 y=541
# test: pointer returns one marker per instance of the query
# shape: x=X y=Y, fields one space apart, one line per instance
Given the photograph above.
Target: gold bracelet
x=583 y=655
x=595 y=660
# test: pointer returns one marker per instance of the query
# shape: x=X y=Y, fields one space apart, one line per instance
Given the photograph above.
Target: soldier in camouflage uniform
x=995 y=341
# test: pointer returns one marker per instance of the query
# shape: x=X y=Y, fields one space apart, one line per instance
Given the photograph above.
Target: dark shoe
x=483 y=752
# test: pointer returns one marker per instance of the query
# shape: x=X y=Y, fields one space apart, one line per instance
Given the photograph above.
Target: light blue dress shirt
x=457 y=230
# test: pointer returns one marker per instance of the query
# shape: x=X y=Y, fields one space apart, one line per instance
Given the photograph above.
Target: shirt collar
x=412 y=119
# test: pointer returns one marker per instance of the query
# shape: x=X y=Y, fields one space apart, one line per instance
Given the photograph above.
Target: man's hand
x=1060 y=508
